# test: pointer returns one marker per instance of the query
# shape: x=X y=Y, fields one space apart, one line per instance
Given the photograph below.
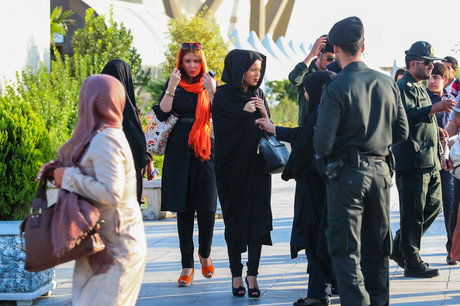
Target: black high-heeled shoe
x=237 y=291
x=253 y=293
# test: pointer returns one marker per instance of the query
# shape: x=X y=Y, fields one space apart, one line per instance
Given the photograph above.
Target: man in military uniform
x=324 y=53
x=361 y=116
x=418 y=162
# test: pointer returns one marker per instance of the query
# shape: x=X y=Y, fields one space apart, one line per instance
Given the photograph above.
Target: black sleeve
x=286 y=134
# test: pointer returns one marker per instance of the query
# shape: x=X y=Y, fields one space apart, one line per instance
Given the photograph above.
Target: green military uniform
x=361 y=108
x=296 y=77
x=417 y=167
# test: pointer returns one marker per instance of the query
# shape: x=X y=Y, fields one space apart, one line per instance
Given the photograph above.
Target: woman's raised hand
x=260 y=105
x=266 y=125
x=209 y=83
x=174 y=79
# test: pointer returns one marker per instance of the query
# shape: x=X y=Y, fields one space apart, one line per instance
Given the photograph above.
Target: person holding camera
x=188 y=180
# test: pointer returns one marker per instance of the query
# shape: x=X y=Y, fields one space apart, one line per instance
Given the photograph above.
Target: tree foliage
x=101 y=41
x=59 y=21
x=196 y=29
x=278 y=90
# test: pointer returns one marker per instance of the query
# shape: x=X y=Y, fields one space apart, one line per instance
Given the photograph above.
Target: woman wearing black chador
x=243 y=187
x=309 y=225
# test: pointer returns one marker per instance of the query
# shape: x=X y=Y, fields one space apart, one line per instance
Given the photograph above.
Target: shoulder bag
x=274 y=153
x=37 y=235
x=158 y=132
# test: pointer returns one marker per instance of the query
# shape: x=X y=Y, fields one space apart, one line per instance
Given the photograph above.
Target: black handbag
x=274 y=153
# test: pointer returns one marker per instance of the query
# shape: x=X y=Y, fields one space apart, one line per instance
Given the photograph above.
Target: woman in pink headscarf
x=98 y=165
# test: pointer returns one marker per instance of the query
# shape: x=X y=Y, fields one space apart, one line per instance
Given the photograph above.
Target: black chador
x=243 y=187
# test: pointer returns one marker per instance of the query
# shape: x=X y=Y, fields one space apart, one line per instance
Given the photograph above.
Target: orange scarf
x=199 y=138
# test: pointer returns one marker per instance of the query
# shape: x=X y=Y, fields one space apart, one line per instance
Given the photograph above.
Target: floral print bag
x=158 y=132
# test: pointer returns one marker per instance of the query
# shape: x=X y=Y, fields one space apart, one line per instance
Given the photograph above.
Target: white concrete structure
x=25 y=27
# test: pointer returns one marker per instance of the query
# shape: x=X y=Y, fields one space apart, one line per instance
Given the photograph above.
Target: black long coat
x=187 y=183
x=243 y=187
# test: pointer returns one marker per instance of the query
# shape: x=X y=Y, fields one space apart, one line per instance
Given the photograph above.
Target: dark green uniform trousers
x=358 y=234
x=420 y=201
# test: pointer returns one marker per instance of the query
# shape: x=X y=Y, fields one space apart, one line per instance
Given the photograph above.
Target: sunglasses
x=191 y=46
x=425 y=62
x=329 y=58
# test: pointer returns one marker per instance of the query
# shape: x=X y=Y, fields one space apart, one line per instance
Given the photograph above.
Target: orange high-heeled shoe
x=206 y=270
x=186 y=281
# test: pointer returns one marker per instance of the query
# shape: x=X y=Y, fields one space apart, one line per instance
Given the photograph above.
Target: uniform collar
x=359 y=65
x=410 y=79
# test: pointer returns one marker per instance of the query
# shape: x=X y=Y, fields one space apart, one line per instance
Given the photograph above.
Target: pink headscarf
x=102 y=99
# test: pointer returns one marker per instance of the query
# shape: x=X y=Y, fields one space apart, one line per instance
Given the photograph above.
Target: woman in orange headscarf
x=188 y=180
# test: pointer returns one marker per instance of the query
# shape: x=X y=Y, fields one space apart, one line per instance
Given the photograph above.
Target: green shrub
x=196 y=29
x=285 y=113
x=24 y=147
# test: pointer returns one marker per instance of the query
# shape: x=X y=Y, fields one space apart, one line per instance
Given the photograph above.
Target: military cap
x=346 y=31
x=423 y=50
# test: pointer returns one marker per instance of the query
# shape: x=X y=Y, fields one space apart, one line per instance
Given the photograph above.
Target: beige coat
x=110 y=184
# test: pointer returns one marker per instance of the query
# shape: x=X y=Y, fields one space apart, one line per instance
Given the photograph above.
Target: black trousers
x=318 y=279
x=236 y=266
x=185 y=223
x=358 y=232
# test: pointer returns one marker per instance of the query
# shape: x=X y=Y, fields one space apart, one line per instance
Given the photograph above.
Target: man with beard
x=418 y=162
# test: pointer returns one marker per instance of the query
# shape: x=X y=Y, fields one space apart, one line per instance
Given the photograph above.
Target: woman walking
x=244 y=189
x=132 y=126
x=188 y=180
x=105 y=176
x=308 y=228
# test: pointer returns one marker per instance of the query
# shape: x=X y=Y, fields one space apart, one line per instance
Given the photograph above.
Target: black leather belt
x=187 y=120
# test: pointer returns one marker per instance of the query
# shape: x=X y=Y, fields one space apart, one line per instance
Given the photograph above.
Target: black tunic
x=187 y=183
x=243 y=187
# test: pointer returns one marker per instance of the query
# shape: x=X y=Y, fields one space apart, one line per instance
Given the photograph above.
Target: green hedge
x=24 y=147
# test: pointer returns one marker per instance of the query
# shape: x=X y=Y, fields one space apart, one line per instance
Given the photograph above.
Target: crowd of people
x=357 y=127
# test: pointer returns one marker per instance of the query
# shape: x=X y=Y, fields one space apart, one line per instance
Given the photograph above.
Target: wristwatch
x=169 y=93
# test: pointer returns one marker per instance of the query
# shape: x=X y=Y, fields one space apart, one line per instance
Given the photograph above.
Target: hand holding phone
x=212 y=73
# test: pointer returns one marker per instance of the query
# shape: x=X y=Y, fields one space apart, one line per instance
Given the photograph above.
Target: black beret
x=346 y=31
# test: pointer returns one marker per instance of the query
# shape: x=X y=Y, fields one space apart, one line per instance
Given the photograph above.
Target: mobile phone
x=212 y=73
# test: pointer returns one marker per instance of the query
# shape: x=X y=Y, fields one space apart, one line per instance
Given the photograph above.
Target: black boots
x=416 y=267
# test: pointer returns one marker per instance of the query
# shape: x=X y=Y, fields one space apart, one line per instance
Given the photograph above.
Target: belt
x=187 y=120
x=378 y=157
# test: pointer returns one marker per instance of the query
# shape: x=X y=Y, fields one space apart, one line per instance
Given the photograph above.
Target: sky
x=390 y=26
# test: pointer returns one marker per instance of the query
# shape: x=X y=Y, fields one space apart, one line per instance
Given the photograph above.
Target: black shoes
x=323 y=302
x=239 y=292
x=451 y=262
x=416 y=267
x=253 y=293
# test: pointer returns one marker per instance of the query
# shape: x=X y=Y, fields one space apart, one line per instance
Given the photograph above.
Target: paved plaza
x=281 y=279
